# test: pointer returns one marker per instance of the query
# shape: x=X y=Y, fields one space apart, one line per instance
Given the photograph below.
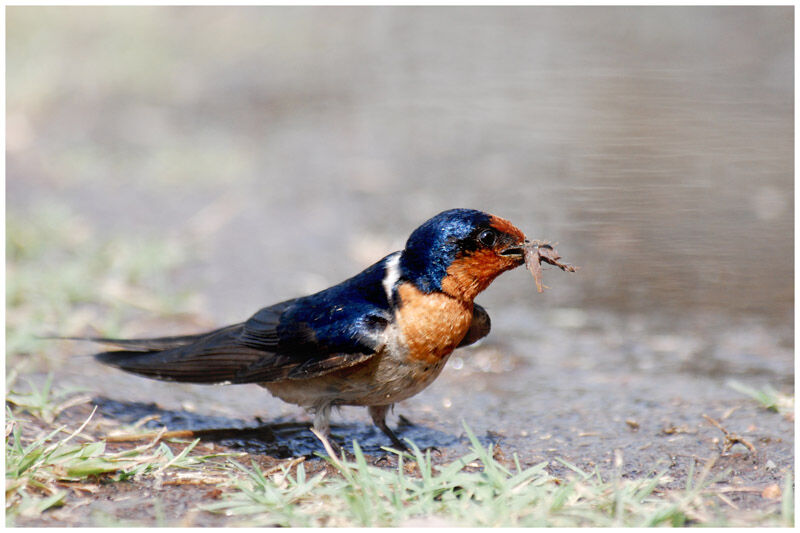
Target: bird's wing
x=478 y=328
x=296 y=339
x=292 y=339
x=313 y=336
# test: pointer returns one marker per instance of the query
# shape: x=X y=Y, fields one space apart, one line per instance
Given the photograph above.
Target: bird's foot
x=403 y=422
x=433 y=449
x=396 y=442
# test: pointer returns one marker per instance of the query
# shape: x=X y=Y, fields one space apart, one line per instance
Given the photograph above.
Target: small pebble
x=772 y=492
x=770 y=466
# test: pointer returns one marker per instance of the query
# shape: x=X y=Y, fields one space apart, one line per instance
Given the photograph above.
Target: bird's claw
x=402 y=421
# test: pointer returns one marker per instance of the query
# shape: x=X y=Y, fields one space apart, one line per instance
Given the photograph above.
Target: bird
x=375 y=339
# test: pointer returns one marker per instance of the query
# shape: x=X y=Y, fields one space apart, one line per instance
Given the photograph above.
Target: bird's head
x=460 y=252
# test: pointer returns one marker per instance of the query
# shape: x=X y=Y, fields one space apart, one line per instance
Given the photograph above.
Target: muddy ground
x=579 y=394
x=285 y=150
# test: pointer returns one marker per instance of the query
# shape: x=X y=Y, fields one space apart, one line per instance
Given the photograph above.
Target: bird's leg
x=378 y=414
x=322 y=425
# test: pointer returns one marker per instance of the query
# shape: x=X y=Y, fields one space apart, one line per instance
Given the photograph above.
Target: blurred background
x=655 y=144
x=175 y=164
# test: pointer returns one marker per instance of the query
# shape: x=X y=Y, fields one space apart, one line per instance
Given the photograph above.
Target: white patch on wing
x=392 y=275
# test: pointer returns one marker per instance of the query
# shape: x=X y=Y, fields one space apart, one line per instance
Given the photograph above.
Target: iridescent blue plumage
x=345 y=318
x=433 y=246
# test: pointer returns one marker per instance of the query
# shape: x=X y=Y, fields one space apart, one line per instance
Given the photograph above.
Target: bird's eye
x=487 y=237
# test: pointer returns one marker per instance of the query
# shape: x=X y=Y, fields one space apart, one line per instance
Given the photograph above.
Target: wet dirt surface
x=573 y=389
x=578 y=394
x=665 y=173
x=581 y=394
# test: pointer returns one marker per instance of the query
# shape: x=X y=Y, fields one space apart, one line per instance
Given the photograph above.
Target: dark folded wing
x=279 y=342
x=296 y=339
x=478 y=328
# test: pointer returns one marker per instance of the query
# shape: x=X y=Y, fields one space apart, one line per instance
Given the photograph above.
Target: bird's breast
x=431 y=325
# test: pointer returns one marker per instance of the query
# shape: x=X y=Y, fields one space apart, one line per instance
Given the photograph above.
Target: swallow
x=373 y=340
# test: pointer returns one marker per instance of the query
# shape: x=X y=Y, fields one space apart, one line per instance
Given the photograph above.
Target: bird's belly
x=381 y=380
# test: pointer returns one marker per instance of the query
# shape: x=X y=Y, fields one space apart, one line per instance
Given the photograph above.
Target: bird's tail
x=142 y=345
x=212 y=357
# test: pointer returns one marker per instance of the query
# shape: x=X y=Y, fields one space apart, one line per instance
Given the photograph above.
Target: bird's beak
x=515 y=250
